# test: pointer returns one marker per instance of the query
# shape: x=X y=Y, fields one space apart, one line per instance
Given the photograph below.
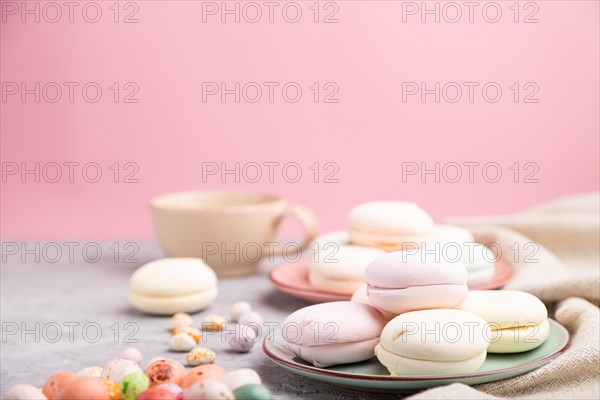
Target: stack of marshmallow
x=339 y=262
x=414 y=310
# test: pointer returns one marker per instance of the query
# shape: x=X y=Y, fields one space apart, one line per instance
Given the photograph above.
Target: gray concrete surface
x=86 y=303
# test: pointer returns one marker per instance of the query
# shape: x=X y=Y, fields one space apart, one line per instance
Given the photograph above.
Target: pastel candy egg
x=208 y=390
x=133 y=354
x=213 y=322
x=153 y=359
x=133 y=384
x=253 y=392
x=55 y=383
x=117 y=368
x=171 y=387
x=91 y=372
x=181 y=320
x=113 y=390
x=156 y=394
x=253 y=319
x=242 y=339
x=240 y=377
x=181 y=342
x=238 y=308
x=83 y=388
x=165 y=370
x=202 y=373
x=24 y=392
x=200 y=356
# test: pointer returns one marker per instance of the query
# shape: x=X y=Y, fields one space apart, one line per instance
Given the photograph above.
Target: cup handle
x=309 y=223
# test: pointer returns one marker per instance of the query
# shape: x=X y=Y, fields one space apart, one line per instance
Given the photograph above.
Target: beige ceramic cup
x=230 y=230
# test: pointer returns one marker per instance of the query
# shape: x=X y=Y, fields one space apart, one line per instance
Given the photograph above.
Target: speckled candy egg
x=253 y=392
x=200 y=356
x=55 y=383
x=91 y=372
x=165 y=370
x=153 y=359
x=117 y=368
x=24 y=392
x=193 y=332
x=213 y=323
x=171 y=387
x=156 y=394
x=208 y=390
x=113 y=390
x=133 y=384
x=181 y=320
x=133 y=354
x=202 y=373
x=238 y=308
x=252 y=319
x=242 y=339
x=240 y=377
x=181 y=342
x=83 y=388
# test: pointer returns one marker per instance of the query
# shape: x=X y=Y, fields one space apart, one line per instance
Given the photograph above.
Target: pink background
x=170 y=132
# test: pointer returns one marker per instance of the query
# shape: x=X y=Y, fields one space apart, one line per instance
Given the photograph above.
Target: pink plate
x=292 y=278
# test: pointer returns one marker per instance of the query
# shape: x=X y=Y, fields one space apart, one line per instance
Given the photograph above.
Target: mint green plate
x=371 y=376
